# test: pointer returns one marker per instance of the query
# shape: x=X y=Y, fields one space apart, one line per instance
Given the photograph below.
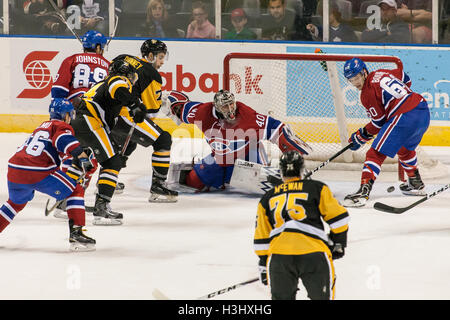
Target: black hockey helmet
x=291 y=163
x=120 y=67
x=153 y=46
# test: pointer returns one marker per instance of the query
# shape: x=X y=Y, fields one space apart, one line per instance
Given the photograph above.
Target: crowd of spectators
x=372 y=21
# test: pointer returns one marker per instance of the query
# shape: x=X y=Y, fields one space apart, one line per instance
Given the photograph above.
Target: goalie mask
x=225 y=105
x=291 y=164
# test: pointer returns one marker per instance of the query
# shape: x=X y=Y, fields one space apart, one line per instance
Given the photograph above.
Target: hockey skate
x=60 y=211
x=160 y=193
x=359 y=199
x=104 y=216
x=79 y=242
x=414 y=186
x=119 y=188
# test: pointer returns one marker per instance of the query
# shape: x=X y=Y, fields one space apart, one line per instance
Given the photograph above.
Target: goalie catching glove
x=290 y=141
x=176 y=101
x=359 y=138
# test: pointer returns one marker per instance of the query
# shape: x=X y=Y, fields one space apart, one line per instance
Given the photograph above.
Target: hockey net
x=310 y=93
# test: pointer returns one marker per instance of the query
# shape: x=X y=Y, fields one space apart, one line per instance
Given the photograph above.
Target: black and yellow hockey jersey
x=149 y=83
x=290 y=219
x=105 y=99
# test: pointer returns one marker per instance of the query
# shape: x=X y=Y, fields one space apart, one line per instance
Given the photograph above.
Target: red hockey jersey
x=42 y=152
x=229 y=142
x=385 y=94
x=78 y=73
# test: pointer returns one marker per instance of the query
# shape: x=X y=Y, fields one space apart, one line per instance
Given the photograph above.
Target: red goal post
x=310 y=93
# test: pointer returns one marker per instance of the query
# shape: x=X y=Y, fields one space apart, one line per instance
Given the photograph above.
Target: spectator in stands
x=41 y=18
x=418 y=14
x=283 y=24
x=338 y=31
x=239 y=22
x=158 y=24
x=444 y=22
x=200 y=27
x=94 y=14
x=392 y=29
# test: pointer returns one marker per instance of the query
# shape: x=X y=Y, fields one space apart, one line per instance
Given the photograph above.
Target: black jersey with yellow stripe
x=105 y=99
x=290 y=219
x=149 y=83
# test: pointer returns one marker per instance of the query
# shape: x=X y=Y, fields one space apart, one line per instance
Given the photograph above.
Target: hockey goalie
x=235 y=132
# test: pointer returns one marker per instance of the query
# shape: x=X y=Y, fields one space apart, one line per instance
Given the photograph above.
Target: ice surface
x=203 y=243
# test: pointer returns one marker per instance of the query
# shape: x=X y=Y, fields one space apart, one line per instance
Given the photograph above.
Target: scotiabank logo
x=37 y=74
x=209 y=82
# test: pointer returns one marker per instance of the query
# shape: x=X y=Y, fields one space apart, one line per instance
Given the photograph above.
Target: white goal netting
x=311 y=94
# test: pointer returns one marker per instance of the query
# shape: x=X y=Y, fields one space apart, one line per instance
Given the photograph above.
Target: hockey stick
x=158 y=295
x=128 y=139
x=60 y=14
x=398 y=210
x=323 y=164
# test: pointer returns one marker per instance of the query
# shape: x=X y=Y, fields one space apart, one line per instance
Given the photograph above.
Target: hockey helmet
x=225 y=104
x=291 y=163
x=153 y=46
x=354 y=67
x=92 y=38
x=120 y=67
x=59 y=107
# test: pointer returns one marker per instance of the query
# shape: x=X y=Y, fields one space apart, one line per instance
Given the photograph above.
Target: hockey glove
x=337 y=251
x=337 y=244
x=290 y=141
x=263 y=275
x=138 y=111
x=262 y=268
x=359 y=138
x=83 y=164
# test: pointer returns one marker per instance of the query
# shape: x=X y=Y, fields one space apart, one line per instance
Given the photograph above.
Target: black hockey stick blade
x=398 y=210
x=225 y=290
x=47 y=210
x=50 y=210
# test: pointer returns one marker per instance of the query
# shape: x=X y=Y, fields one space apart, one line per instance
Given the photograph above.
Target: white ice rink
x=204 y=243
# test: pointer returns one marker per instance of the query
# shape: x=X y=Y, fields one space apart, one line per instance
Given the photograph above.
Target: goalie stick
x=398 y=210
x=158 y=295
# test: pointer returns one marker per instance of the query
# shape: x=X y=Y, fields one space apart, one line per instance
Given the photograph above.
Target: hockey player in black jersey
x=96 y=116
x=148 y=133
x=290 y=237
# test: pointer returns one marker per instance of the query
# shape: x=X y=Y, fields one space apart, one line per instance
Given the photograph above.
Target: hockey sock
x=372 y=165
x=75 y=206
x=408 y=160
x=7 y=213
x=107 y=181
x=194 y=181
x=161 y=163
